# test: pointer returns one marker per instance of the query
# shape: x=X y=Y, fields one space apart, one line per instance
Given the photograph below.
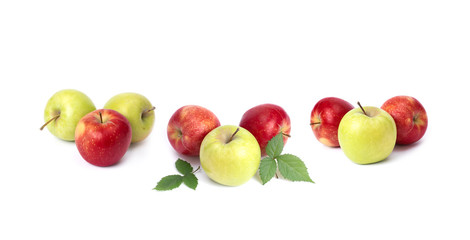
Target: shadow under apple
x=399 y=150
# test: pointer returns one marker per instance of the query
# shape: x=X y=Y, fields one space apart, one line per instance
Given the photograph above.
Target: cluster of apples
x=368 y=134
x=229 y=155
x=102 y=136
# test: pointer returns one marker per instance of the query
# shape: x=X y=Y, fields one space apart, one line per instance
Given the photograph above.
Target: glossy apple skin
x=265 y=121
x=368 y=138
x=72 y=105
x=188 y=126
x=135 y=107
x=325 y=118
x=230 y=163
x=103 y=143
x=410 y=117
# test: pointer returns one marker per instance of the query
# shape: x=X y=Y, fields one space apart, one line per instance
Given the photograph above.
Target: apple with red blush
x=265 y=121
x=410 y=118
x=103 y=137
x=325 y=118
x=188 y=126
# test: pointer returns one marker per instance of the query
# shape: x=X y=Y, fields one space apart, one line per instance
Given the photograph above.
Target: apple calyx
x=364 y=111
x=230 y=139
x=179 y=132
x=49 y=121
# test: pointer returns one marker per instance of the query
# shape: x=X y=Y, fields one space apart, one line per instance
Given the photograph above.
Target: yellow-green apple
x=230 y=155
x=410 y=117
x=63 y=111
x=138 y=110
x=325 y=118
x=265 y=121
x=188 y=126
x=367 y=135
x=103 y=137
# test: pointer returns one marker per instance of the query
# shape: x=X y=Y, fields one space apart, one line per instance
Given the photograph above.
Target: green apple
x=63 y=111
x=138 y=110
x=367 y=135
x=230 y=155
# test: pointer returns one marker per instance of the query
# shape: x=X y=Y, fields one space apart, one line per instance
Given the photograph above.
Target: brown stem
x=101 y=118
x=238 y=129
x=285 y=134
x=314 y=123
x=364 y=111
x=151 y=109
x=146 y=112
x=50 y=120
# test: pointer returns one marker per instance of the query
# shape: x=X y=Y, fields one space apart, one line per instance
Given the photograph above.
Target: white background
x=229 y=56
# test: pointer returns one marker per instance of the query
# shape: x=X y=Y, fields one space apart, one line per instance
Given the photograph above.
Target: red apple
x=410 y=117
x=187 y=128
x=325 y=118
x=265 y=121
x=103 y=137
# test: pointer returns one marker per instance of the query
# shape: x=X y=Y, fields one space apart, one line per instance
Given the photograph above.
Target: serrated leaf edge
x=186 y=165
x=186 y=183
x=277 y=144
x=172 y=186
x=308 y=179
x=262 y=172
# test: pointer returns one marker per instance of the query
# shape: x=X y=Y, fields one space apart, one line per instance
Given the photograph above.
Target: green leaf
x=183 y=167
x=267 y=169
x=292 y=168
x=190 y=180
x=275 y=146
x=169 y=182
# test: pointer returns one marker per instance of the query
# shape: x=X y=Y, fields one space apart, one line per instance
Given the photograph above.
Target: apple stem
x=364 y=111
x=146 y=112
x=285 y=134
x=151 y=109
x=238 y=129
x=50 y=120
x=101 y=118
x=314 y=123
